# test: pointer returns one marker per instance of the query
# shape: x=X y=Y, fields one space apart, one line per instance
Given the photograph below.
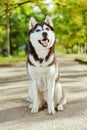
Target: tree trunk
x=8 y=32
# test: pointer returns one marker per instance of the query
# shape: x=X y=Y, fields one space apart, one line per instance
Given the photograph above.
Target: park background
x=70 y=23
x=69 y=19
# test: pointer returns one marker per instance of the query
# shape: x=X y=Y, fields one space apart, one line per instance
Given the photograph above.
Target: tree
x=69 y=19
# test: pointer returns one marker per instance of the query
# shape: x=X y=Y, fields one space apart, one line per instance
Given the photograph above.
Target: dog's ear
x=48 y=21
x=32 y=23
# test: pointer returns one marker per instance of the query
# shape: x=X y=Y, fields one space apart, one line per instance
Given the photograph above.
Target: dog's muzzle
x=44 y=34
x=44 y=42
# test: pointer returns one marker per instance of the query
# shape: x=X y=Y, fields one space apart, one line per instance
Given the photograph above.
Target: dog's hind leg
x=60 y=98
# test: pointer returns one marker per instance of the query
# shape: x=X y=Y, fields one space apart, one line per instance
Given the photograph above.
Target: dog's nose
x=44 y=34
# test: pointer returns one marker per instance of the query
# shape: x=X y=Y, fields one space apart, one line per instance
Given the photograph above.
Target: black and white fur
x=42 y=68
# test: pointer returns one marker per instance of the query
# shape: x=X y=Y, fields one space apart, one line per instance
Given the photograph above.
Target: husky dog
x=42 y=68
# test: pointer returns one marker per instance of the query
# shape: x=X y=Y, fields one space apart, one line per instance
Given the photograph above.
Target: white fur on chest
x=40 y=51
x=36 y=72
x=42 y=75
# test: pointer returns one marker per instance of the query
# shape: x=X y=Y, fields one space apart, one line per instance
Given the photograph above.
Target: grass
x=78 y=57
x=22 y=57
x=13 y=59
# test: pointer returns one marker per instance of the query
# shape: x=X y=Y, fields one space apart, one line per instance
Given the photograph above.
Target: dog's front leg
x=35 y=106
x=50 y=101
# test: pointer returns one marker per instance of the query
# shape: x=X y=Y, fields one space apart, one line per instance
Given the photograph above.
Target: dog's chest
x=40 y=75
x=42 y=83
x=39 y=72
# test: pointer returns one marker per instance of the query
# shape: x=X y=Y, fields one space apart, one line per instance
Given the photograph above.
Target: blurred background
x=69 y=19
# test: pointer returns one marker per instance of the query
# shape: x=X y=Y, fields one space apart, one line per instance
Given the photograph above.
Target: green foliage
x=69 y=19
x=75 y=49
x=13 y=59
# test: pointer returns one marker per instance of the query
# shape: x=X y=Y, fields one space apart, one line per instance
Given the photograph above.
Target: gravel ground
x=14 y=112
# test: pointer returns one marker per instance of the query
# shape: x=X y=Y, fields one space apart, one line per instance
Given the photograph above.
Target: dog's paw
x=34 y=110
x=60 y=108
x=51 y=112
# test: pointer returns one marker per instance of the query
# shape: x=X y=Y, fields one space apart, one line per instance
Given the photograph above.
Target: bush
x=75 y=49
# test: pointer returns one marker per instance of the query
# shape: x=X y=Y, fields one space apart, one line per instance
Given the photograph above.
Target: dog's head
x=41 y=34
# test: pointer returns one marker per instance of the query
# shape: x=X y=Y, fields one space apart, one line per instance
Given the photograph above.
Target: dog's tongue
x=45 y=42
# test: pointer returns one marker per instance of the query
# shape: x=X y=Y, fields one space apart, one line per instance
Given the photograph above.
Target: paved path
x=14 y=112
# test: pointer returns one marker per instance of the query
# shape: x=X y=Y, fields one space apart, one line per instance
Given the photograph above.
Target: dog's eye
x=47 y=29
x=37 y=30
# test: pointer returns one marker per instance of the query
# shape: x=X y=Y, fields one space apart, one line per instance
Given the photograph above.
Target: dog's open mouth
x=44 y=42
